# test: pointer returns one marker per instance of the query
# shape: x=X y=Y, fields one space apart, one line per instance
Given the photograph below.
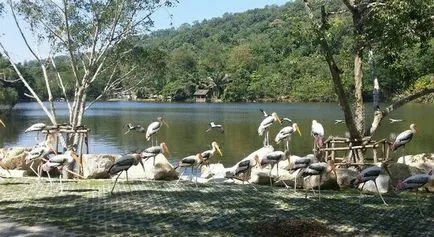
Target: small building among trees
x=202 y=95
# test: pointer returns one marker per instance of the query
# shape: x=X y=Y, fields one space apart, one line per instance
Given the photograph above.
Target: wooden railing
x=344 y=151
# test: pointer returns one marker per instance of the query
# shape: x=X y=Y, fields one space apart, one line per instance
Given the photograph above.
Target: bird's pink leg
x=116 y=182
x=379 y=193
x=180 y=176
x=361 y=193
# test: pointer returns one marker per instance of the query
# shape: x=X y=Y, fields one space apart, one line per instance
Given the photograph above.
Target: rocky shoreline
x=95 y=166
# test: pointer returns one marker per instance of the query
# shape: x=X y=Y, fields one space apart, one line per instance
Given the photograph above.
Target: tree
x=384 y=26
x=93 y=34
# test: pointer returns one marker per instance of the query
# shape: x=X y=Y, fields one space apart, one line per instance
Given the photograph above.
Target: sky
x=186 y=11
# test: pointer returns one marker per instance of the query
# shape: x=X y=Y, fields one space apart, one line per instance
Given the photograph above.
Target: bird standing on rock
x=265 y=124
x=318 y=134
x=404 y=137
x=286 y=133
x=123 y=164
x=154 y=151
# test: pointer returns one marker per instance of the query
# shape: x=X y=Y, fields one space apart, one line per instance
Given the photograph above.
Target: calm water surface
x=188 y=123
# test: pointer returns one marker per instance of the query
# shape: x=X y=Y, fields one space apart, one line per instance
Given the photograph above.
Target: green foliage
x=271 y=54
x=8 y=96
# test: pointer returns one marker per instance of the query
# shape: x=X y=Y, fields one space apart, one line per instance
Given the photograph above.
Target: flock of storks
x=305 y=166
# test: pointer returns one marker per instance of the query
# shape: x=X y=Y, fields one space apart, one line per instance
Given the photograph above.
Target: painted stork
x=395 y=120
x=154 y=151
x=273 y=158
x=370 y=174
x=339 y=121
x=320 y=169
x=208 y=154
x=243 y=167
x=214 y=126
x=137 y=128
x=265 y=124
x=318 y=133
x=264 y=113
x=298 y=164
x=415 y=182
x=43 y=153
x=59 y=161
x=189 y=161
x=123 y=164
x=36 y=127
x=404 y=137
x=154 y=127
x=286 y=133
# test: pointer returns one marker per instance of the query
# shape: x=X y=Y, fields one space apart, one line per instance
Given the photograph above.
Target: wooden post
x=81 y=153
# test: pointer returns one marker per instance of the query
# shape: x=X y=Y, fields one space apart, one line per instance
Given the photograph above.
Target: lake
x=188 y=122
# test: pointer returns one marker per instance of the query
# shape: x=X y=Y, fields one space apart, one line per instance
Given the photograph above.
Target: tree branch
x=379 y=115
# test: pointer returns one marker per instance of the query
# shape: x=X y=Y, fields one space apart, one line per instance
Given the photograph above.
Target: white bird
x=339 y=121
x=154 y=127
x=243 y=167
x=189 y=161
x=273 y=158
x=154 y=151
x=265 y=124
x=395 y=120
x=36 y=127
x=137 y=128
x=206 y=155
x=265 y=113
x=318 y=133
x=59 y=161
x=42 y=152
x=218 y=127
x=415 y=182
x=320 y=169
x=286 y=133
x=298 y=164
x=404 y=137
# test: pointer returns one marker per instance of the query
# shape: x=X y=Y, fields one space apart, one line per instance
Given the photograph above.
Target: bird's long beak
x=1 y=122
x=141 y=163
x=167 y=125
x=166 y=148
x=218 y=149
x=299 y=131
x=278 y=119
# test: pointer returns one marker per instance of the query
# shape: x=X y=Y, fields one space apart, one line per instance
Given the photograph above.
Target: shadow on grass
x=161 y=207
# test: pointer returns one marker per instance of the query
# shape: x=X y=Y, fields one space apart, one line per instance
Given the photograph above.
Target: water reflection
x=188 y=123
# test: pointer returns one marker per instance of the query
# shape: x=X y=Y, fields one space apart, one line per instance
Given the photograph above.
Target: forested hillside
x=262 y=54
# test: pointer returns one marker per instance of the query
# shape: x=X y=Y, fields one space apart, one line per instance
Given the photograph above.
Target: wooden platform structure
x=66 y=130
x=344 y=151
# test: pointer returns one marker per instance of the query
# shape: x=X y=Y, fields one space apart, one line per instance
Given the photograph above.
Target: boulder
x=161 y=170
x=213 y=171
x=424 y=161
x=95 y=166
x=13 y=158
x=345 y=176
x=400 y=172
x=328 y=181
